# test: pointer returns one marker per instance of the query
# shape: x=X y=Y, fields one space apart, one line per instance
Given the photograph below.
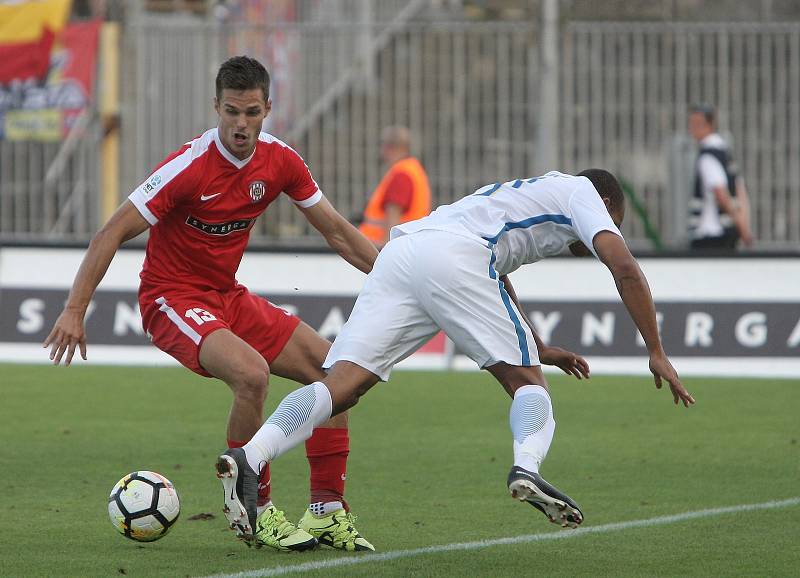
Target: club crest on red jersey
x=257 y=190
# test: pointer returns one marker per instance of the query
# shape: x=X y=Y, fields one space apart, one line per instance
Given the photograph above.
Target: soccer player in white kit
x=449 y=271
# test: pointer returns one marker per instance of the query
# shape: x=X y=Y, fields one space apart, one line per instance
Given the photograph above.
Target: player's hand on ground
x=662 y=370
x=67 y=334
x=570 y=363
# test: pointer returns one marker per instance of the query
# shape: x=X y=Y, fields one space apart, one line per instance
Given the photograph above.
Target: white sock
x=291 y=423
x=320 y=509
x=263 y=507
x=532 y=425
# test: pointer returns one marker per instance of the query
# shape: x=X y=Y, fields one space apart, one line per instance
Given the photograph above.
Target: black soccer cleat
x=530 y=487
x=240 y=484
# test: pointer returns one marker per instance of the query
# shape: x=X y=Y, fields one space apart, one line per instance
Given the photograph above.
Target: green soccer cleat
x=275 y=531
x=336 y=530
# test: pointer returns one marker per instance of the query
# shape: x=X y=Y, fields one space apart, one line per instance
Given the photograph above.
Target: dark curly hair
x=607 y=186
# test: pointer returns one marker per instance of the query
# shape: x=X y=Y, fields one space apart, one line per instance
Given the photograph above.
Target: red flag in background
x=25 y=21
x=27 y=31
x=79 y=43
x=25 y=60
x=44 y=90
x=73 y=69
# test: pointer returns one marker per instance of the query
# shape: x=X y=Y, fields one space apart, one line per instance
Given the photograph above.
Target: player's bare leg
x=532 y=425
x=231 y=359
x=307 y=407
x=347 y=382
x=328 y=516
x=246 y=487
x=293 y=422
x=301 y=360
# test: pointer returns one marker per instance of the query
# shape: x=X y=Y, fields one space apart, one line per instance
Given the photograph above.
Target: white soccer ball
x=143 y=506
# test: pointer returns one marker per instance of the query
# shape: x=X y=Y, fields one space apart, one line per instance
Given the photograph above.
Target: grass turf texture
x=429 y=457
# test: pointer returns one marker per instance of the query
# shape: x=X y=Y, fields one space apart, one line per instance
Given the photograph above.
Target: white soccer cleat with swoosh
x=240 y=484
x=530 y=487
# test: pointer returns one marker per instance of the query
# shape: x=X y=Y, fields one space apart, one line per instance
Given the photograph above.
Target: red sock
x=327 y=451
x=263 y=481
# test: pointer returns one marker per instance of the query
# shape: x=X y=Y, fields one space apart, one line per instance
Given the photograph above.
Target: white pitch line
x=566 y=534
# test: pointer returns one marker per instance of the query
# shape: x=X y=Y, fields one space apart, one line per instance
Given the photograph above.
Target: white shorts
x=426 y=281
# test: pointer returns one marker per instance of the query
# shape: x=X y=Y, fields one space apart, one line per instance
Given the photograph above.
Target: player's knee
x=251 y=383
x=343 y=401
x=347 y=382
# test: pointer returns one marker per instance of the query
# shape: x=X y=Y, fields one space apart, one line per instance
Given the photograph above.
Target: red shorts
x=178 y=319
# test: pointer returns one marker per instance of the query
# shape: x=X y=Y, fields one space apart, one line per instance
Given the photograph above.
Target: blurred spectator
x=719 y=209
x=403 y=193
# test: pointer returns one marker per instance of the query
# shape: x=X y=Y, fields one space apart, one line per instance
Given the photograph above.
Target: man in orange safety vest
x=403 y=193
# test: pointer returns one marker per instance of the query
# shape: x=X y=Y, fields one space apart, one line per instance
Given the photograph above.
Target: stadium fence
x=471 y=92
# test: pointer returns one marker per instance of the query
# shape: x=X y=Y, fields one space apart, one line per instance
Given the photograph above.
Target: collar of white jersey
x=227 y=155
x=714 y=140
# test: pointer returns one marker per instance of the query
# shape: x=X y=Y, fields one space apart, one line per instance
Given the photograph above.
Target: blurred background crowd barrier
x=491 y=90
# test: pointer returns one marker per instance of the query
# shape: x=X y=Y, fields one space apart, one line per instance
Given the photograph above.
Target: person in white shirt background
x=719 y=208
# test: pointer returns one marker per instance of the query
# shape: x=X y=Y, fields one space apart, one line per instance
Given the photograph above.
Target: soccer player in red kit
x=200 y=205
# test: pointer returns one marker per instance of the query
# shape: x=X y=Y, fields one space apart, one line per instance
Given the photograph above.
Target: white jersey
x=525 y=220
x=712 y=175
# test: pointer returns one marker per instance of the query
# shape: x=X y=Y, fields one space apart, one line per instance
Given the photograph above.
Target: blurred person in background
x=719 y=209
x=402 y=195
x=199 y=206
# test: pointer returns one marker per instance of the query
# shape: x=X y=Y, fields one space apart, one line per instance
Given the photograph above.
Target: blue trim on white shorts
x=524 y=224
x=522 y=339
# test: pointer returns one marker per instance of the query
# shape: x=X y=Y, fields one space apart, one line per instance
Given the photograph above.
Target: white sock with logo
x=532 y=425
x=291 y=423
x=261 y=508
x=321 y=509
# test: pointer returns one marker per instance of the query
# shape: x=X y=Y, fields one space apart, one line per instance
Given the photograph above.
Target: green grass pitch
x=429 y=457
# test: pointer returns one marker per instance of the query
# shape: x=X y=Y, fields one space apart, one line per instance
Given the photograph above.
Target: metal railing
x=470 y=93
x=466 y=91
x=626 y=92
x=51 y=190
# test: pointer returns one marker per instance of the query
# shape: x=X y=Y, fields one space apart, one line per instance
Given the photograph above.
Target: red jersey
x=201 y=203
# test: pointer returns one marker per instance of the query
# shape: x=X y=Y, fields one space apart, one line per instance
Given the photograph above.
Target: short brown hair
x=242 y=73
x=707 y=110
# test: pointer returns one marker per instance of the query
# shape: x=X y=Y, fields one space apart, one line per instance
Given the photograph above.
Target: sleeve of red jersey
x=299 y=185
x=399 y=191
x=166 y=187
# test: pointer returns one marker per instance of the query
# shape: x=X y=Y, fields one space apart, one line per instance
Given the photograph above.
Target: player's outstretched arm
x=568 y=362
x=68 y=330
x=341 y=235
x=635 y=293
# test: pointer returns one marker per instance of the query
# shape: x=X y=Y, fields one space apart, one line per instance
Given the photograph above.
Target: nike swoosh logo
x=208 y=197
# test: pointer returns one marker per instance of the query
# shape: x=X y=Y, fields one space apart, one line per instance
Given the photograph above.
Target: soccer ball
x=143 y=506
